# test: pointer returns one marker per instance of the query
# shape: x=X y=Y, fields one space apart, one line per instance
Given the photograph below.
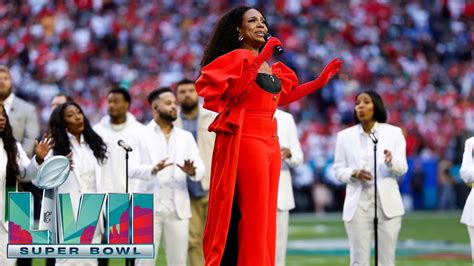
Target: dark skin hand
x=388 y=156
x=285 y=153
x=188 y=167
x=160 y=166
x=42 y=147
x=364 y=175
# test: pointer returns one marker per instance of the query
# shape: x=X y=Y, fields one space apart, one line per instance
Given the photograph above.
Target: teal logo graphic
x=66 y=232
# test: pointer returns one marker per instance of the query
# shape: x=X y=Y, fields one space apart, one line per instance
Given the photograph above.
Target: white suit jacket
x=113 y=171
x=348 y=157
x=205 y=141
x=182 y=146
x=28 y=171
x=73 y=184
x=288 y=137
x=467 y=174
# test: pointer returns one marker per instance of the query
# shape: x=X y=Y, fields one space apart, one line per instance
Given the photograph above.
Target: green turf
x=420 y=226
x=443 y=227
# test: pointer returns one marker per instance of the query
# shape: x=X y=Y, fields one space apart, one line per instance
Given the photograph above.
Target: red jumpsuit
x=246 y=159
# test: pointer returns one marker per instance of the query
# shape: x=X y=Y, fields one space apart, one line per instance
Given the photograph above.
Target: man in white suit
x=195 y=119
x=354 y=165
x=292 y=156
x=177 y=153
x=117 y=125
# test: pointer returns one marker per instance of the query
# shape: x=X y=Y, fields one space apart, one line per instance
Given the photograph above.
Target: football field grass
x=426 y=239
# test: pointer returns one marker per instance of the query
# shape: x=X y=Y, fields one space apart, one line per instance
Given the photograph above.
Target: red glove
x=328 y=72
x=269 y=47
x=302 y=90
x=263 y=56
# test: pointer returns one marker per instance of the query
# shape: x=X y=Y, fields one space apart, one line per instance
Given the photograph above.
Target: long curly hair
x=62 y=145
x=225 y=36
x=11 y=148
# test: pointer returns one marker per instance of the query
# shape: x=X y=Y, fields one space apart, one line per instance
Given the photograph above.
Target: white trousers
x=470 y=229
x=283 y=218
x=3 y=248
x=360 y=231
x=175 y=232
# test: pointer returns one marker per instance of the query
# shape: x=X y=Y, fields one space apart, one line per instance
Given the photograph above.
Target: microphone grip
x=278 y=49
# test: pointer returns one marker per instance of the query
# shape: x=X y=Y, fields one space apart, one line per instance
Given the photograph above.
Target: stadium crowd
x=417 y=54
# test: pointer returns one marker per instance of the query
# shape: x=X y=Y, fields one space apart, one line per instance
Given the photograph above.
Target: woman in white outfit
x=73 y=136
x=467 y=174
x=14 y=166
x=354 y=165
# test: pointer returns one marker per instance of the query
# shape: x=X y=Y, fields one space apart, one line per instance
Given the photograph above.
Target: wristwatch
x=354 y=175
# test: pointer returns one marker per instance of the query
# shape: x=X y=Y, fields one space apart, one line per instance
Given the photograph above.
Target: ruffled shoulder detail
x=288 y=78
x=223 y=78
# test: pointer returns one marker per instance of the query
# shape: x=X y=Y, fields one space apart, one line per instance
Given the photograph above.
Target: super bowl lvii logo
x=67 y=229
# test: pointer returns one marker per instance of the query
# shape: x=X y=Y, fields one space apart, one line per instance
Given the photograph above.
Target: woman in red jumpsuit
x=237 y=82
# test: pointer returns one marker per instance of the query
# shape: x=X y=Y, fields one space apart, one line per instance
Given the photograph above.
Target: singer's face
x=364 y=108
x=253 y=28
x=74 y=120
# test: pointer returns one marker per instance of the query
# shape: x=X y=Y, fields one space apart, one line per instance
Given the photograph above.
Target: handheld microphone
x=124 y=145
x=278 y=49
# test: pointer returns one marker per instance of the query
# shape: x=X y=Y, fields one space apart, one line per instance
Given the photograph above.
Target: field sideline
x=426 y=239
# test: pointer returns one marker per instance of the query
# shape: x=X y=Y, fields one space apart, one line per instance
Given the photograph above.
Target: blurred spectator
x=322 y=197
x=447 y=196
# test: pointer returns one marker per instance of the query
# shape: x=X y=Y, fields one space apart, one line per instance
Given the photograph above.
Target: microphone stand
x=128 y=261
x=126 y=171
x=376 y=220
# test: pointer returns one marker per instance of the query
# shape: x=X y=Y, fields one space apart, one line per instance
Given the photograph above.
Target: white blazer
x=205 y=141
x=467 y=174
x=348 y=157
x=154 y=148
x=28 y=171
x=113 y=170
x=73 y=185
x=288 y=137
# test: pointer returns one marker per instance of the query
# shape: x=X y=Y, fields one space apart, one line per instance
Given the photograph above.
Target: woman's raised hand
x=43 y=147
x=331 y=69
